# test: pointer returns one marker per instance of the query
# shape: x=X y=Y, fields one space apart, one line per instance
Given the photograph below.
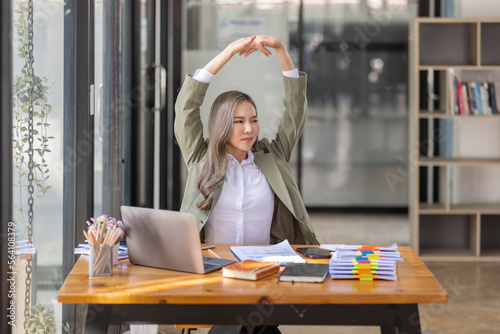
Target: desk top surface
x=131 y=284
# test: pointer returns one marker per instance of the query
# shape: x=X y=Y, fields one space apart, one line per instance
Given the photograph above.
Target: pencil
x=213 y=253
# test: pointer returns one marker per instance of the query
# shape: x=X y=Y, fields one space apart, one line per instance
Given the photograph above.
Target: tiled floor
x=473 y=288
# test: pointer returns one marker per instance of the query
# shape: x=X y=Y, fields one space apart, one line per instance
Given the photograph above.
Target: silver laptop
x=166 y=239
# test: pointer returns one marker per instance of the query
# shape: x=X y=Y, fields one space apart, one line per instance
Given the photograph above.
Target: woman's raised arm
x=225 y=55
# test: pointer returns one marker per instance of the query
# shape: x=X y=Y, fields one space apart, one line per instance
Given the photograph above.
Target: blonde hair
x=220 y=124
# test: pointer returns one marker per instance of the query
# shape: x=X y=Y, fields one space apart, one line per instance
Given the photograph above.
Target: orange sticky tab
x=372 y=247
x=364 y=271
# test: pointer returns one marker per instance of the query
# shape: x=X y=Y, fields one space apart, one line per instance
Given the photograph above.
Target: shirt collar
x=248 y=160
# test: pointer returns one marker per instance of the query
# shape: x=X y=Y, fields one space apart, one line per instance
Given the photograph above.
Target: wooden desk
x=136 y=294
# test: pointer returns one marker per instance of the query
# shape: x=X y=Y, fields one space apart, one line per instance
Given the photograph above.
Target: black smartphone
x=313 y=253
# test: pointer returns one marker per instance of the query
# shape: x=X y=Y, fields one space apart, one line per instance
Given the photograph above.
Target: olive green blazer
x=290 y=219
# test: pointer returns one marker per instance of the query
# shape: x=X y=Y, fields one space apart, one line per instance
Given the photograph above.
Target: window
x=47 y=151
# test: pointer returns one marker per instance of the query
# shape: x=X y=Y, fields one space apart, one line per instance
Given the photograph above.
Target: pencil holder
x=101 y=260
x=116 y=248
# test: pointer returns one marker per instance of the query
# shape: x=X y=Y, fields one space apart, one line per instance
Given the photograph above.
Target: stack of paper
x=363 y=262
x=25 y=247
x=280 y=253
x=84 y=249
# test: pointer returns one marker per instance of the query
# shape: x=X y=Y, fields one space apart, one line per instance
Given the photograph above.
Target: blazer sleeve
x=293 y=118
x=188 y=127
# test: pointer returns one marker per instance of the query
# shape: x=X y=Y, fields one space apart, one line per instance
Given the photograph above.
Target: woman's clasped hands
x=247 y=45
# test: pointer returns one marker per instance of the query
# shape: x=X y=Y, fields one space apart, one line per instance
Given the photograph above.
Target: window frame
x=78 y=146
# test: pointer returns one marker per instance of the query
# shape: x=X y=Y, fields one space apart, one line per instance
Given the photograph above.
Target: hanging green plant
x=28 y=89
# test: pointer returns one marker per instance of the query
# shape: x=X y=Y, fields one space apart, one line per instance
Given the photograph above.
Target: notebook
x=166 y=239
x=304 y=272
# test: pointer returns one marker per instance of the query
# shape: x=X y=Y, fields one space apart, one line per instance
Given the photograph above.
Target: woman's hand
x=248 y=45
x=260 y=43
x=240 y=45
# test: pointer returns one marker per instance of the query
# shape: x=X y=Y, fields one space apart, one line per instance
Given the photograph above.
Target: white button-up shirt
x=244 y=211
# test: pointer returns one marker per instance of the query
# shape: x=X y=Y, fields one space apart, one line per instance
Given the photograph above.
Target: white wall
x=477 y=8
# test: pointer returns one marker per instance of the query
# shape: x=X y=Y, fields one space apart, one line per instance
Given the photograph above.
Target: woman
x=242 y=188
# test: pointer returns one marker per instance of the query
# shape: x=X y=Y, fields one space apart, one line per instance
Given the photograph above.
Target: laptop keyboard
x=209 y=262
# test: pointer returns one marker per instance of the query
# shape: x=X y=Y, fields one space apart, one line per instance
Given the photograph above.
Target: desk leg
x=97 y=320
x=387 y=330
x=407 y=320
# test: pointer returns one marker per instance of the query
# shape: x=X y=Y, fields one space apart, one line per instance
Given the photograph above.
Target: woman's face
x=244 y=132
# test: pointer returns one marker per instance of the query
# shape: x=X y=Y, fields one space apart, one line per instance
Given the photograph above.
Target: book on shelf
x=304 y=272
x=483 y=87
x=477 y=100
x=492 y=98
x=250 y=269
x=473 y=97
x=458 y=91
x=363 y=262
x=454 y=98
x=465 y=91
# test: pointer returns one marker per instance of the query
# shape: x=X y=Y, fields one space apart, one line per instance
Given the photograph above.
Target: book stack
x=365 y=263
x=474 y=98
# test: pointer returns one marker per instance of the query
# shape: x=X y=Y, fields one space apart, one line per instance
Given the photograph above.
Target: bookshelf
x=447 y=222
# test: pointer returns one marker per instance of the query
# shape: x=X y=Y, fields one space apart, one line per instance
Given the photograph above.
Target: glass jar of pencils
x=101 y=260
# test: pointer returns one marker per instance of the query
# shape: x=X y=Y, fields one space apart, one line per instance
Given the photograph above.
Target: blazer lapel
x=270 y=169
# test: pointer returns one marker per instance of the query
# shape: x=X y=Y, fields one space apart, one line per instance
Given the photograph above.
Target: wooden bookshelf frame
x=431 y=37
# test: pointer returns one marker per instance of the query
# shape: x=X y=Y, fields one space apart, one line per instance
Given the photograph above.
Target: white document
x=335 y=247
x=279 y=253
x=24 y=247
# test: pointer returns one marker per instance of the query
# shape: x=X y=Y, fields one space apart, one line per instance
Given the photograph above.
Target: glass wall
x=47 y=151
x=356 y=55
